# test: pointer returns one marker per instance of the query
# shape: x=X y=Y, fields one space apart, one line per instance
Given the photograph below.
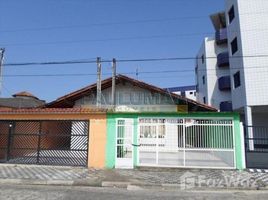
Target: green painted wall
x=111 y=132
x=110 y=144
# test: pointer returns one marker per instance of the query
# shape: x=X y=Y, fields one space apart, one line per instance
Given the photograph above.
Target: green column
x=135 y=142
x=240 y=164
x=110 y=143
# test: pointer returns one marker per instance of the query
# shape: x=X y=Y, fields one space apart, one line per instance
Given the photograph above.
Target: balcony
x=224 y=83
x=223 y=59
x=221 y=36
x=226 y=106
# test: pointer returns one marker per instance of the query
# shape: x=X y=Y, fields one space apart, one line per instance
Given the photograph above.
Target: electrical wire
x=85 y=61
x=134 y=72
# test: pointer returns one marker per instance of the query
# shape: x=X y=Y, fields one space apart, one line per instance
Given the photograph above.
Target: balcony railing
x=221 y=36
x=224 y=83
x=226 y=106
x=223 y=59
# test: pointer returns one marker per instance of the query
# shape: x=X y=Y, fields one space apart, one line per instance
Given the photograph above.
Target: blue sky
x=59 y=30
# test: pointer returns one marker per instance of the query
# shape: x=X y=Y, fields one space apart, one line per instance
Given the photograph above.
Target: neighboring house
x=131 y=95
x=232 y=73
x=53 y=136
x=185 y=91
x=21 y=100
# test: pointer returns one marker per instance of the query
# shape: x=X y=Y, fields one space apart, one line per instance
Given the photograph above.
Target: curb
x=36 y=182
x=115 y=184
x=172 y=187
x=121 y=184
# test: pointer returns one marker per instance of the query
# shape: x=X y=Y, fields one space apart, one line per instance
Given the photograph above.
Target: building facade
x=231 y=70
x=185 y=91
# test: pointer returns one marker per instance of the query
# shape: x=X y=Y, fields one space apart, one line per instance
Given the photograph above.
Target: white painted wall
x=200 y=72
x=212 y=73
x=190 y=94
x=250 y=26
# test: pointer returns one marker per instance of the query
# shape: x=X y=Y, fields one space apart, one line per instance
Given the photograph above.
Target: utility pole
x=113 y=83
x=137 y=73
x=2 y=51
x=98 y=100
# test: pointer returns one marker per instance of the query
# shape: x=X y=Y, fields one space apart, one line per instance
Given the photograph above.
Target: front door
x=124 y=147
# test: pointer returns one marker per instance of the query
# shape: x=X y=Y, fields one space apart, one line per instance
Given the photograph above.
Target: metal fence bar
x=199 y=142
x=60 y=142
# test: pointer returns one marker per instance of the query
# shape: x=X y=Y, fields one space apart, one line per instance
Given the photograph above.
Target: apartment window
x=195 y=94
x=204 y=100
x=203 y=59
x=191 y=92
x=237 y=82
x=234 y=47
x=203 y=80
x=231 y=14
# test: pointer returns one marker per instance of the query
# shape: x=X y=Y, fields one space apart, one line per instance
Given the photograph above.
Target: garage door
x=47 y=142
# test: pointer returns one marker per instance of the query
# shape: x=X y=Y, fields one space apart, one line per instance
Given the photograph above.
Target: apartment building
x=185 y=91
x=232 y=67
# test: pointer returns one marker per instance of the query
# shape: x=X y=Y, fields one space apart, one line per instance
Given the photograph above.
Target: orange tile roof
x=69 y=99
x=53 y=111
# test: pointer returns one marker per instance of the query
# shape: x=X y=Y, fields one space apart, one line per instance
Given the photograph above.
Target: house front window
x=151 y=128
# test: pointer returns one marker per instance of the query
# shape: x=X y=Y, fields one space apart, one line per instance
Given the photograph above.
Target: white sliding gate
x=186 y=142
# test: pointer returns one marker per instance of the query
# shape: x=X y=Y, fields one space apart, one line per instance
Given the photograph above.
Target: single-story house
x=147 y=126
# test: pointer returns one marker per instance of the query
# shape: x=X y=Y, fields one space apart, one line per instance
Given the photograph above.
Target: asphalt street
x=22 y=192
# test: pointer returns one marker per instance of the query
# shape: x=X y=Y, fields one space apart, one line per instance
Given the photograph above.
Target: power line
x=108 y=39
x=103 y=24
x=128 y=73
x=85 y=61
x=117 y=23
x=186 y=35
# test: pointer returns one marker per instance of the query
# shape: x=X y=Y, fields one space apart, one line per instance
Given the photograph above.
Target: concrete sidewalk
x=141 y=178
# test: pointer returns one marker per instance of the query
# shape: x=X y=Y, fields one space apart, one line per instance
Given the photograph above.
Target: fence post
x=39 y=142
x=242 y=137
x=184 y=130
x=10 y=131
